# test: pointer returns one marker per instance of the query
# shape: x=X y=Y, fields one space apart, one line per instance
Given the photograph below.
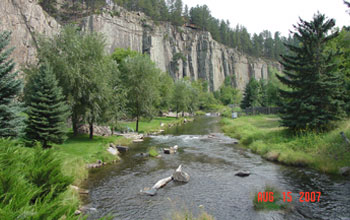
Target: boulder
x=344 y=171
x=242 y=173
x=181 y=176
x=122 y=149
x=137 y=140
x=113 y=151
x=98 y=130
x=272 y=156
x=169 y=150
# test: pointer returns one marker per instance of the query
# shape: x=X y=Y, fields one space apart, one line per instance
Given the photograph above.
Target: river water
x=212 y=163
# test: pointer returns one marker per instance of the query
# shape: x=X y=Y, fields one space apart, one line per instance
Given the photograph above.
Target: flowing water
x=212 y=162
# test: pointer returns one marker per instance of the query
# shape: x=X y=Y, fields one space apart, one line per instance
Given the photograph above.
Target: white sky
x=273 y=15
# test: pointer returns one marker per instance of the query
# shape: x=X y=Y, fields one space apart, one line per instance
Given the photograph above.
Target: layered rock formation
x=25 y=19
x=181 y=51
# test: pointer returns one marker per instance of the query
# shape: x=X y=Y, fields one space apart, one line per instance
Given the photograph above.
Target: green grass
x=146 y=126
x=325 y=152
x=78 y=151
x=153 y=152
x=270 y=206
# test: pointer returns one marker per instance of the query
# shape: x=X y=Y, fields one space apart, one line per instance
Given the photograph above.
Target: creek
x=212 y=162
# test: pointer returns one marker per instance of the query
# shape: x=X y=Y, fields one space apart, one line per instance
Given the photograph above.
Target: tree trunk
x=75 y=123
x=91 y=129
x=183 y=113
x=137 y=124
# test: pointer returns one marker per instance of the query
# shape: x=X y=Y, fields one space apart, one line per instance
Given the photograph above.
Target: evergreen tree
x=47 y=112
x=9 y=88
x=315 y=99
x=251 y=94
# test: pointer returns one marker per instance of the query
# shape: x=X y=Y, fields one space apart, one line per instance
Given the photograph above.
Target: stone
x=77 y=212
x=162 y=124
x=122 y=149
x=242 y=173
x=181 y=177
x=98 y=130
x=113 y=151
x=344 y=171
x=170 y=150
x=272 y=156
x=137 y=140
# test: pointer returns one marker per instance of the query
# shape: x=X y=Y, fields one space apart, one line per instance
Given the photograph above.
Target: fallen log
x=178 y=175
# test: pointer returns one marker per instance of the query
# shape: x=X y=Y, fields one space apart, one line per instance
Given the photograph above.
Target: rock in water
x=180 y=175
x=344 y=171
x=242 y=173
x=122 y=149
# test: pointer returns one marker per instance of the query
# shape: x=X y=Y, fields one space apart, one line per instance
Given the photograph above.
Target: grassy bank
x=146 y=126
x=78 y=151
x=325 y=152
x=35 y=183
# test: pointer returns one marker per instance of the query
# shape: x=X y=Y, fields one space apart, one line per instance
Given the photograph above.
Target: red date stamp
x=287 y=197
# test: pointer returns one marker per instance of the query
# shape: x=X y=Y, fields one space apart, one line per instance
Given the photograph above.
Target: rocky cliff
x=25 y=18
x=181 y=51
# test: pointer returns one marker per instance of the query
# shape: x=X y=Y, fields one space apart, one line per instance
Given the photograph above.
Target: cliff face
x=25 y=18
x=180 y=51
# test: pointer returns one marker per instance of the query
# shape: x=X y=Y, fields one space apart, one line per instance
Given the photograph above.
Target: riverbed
x=211 y=159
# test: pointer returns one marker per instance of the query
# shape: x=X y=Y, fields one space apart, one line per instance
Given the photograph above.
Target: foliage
x=121 y=54
x=83 y=71
x=316 y=96
x=227 y=94
x=165 y=88
x=46 y=109
x=32 y=184
x=180 y=99
x=342 y=42
x=140 y=77
x=10 y=87
x=325 y=152
x=251 y=96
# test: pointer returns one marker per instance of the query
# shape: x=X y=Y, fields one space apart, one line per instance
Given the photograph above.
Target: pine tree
x=311 y=72
x=47 y=112
x=10 y=87
x=251 y=94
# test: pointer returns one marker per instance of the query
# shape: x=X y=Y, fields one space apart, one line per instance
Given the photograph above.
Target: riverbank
x=54 y=175
x=326 y=152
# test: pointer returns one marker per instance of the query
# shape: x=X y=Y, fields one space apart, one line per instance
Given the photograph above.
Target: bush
x=32 y=185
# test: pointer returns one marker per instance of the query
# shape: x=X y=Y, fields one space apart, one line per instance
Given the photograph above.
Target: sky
x=273 y=15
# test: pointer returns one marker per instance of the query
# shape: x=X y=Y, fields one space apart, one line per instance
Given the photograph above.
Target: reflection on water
x=211 y=160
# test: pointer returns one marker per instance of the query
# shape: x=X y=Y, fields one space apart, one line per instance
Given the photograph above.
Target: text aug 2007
x=287 y=197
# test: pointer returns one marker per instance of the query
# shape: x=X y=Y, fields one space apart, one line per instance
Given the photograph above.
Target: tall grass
x=32 y=184
x=325 y=152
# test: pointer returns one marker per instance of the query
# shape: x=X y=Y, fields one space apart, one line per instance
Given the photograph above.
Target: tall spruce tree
x=10 y=87
x=251 y=96
x=311 y=72
x=47 y=112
